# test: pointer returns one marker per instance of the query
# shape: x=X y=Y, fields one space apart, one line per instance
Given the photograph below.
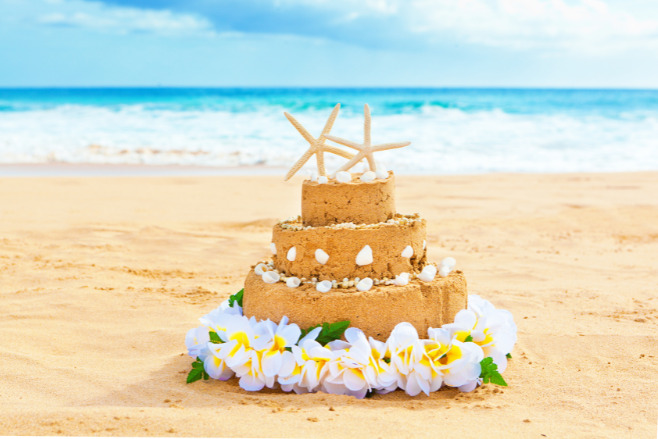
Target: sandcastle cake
x=351 y=256
x=347 y=274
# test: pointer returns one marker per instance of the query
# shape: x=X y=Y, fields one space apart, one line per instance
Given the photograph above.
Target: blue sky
x=501 y=43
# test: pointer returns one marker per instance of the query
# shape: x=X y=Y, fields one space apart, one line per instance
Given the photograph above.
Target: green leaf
x=237 y=297
x=490 y=374
x=329 y=332
x=469 y=338
x=332 y=331
x=194 y=375
x=509 y=355
x=497 y=378
x=197 y=371
x=215 y=338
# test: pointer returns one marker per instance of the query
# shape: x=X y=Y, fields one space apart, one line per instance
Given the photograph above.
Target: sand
x=100 y=278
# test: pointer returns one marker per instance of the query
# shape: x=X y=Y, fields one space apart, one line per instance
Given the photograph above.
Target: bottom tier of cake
x=375 y=312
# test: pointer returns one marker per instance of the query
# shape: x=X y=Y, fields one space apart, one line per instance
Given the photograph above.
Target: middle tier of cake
x=339 y=251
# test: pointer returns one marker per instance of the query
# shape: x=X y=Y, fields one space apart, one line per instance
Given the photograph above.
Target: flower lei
x=464 y=354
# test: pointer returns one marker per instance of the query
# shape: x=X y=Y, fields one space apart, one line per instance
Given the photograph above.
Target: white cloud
x=579 y=25
x=100 y=17
x=564 y=25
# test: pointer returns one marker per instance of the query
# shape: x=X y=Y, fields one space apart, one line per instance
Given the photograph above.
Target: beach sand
x=100 y=278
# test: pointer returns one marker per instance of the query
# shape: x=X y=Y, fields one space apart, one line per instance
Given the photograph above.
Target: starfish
x=318 y=147
x=366 y=149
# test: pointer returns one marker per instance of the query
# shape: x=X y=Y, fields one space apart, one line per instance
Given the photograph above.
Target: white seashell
x=365 y=256
x=292 y=254
x=381 y=172
x=271 y=277
x=428 y=273
x=293 y=282
x=449 y=262
x=324 y=286
x=343 y=177
x=368 y=176
x=323 y=179
x=424 y=244
x=261 y=269
x=273 y=248
x=407 y=252
x=402 y=279
x=321 y=256
x=364 y=284
x=444 y=270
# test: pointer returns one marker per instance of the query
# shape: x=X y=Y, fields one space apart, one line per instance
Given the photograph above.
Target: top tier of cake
x=325 y=204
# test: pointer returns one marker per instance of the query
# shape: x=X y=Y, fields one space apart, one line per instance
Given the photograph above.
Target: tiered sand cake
x=349 y=232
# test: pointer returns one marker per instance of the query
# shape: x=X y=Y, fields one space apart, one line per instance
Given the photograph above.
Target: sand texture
x=100 y=278
x=387 y=242
x=354 y=202
x=376 y=312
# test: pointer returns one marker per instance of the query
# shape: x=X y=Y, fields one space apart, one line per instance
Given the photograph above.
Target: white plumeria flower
x=250 y=372
x=238 y=335
x=196 y=341
x=355 y=371
x=307 y=369
x=456 y=363
x=387 y=378
x=216 y=367
x=272 y=340
x=492 y=329
x=406 y=351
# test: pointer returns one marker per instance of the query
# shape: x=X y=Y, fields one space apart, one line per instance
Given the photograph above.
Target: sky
x=332 y=43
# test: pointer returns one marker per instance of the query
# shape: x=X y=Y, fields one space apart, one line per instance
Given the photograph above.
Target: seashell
x=364 y=284
x=271 y=277
x=381 y=172
x=365 y=256
x=350 y=283
x=293 y=282
x=428 y=273
x=323 y=179
x=345 y=279
x=343 y=177
x=273 y=248
x=444 y=270
x=314 y=279
x=401 y=279
x=368 y=176
x=407 y=252
x=292 y=254
x=449 y=262
x=323 y=286
x=260 y=269
x=321 y=256
x=345 y=284
x=334 y=284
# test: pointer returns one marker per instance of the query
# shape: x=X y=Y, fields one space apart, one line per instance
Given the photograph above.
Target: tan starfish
x=365 y=149
x=318 y=147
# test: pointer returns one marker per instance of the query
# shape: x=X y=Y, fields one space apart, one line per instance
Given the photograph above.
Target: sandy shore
x=100 y=278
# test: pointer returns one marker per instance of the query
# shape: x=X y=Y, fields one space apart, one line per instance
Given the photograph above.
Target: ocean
x=452 y=130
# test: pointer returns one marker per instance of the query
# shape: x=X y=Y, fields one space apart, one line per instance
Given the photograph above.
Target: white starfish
x=365 y=149
x=318 y=147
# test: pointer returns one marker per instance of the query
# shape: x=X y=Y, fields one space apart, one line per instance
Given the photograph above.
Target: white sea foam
x=443 y=140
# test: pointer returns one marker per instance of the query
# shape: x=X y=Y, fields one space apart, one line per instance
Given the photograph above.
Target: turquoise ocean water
x=452 y=131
